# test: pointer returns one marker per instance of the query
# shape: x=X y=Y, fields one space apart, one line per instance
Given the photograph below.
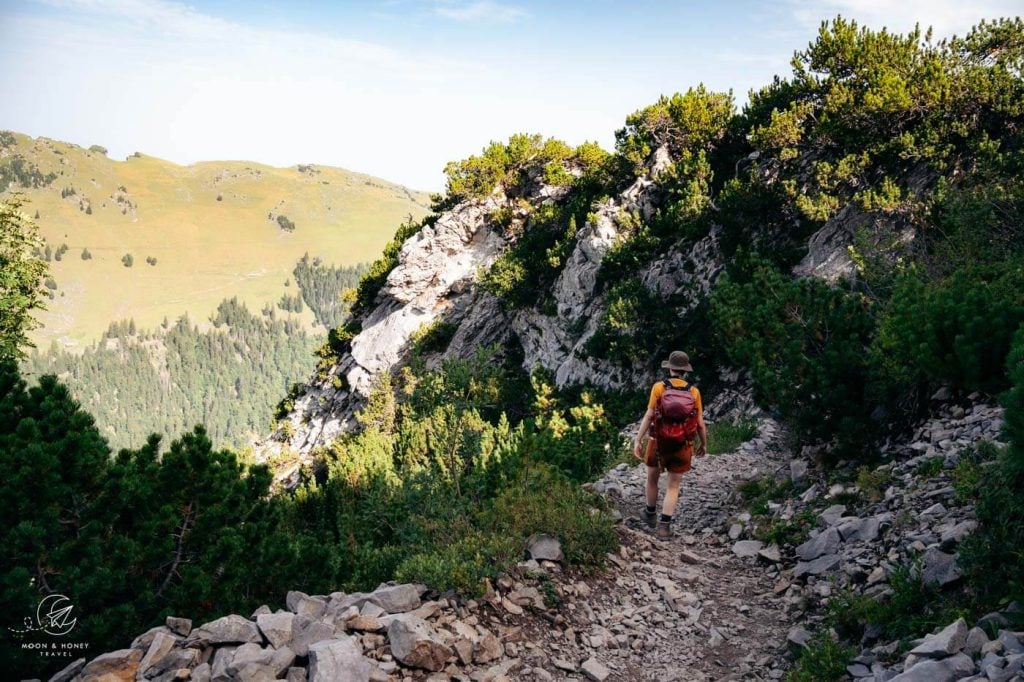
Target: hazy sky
x=396 y=87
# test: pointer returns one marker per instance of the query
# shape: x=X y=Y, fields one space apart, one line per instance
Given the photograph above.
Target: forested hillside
x=843 y=253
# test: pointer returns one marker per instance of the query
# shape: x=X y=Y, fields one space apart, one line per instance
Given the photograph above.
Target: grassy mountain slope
x=212 y=227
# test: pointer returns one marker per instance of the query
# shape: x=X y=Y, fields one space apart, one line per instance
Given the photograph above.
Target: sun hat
x=679 y=361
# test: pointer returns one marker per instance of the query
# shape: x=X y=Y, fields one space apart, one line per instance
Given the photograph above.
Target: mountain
x=147 y=239
x=843 y=259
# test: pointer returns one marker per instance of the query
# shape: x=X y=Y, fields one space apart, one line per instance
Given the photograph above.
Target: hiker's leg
x=652 y=486
x=671 y=493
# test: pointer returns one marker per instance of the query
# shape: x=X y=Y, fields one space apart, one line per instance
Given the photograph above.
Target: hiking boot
x=664 y=530
x=650 y=518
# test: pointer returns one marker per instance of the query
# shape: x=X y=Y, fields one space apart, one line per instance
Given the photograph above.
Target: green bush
x=957 y=329
x=994 y=555
x=823 y=660
x=806 y=344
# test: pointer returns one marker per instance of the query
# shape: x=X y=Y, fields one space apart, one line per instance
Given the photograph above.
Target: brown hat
x=679 y=361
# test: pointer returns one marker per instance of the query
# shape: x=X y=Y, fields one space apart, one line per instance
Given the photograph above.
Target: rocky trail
x=710 y=604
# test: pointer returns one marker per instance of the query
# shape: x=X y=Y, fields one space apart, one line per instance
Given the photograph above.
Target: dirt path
x=688 y=608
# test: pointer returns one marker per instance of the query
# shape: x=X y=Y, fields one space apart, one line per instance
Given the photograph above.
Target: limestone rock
x=397 y=598
x=415 y=644
x=337 y=660
x=542 y=547
x=116 y=666
x=593 y=669
x=746 y=549
x=947 y=642
x=226 y=630
x=826 y=542
x=945 y=670
x=939 y=568
x=276 y=627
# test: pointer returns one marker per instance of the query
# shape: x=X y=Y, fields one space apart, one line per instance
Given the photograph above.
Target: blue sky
x=395 y=87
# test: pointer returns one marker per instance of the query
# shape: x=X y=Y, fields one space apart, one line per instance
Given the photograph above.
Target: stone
x=415 y=644
x=832 y=514
x=1011 y=642
x=146 y=638
x=364 y=624
x=306 y=632
x=201 y=673
x=593 y=669
x=735 y=531
x=69 y=671
x=771 y=554
x=563 y=664
x=302 y=604
x=798 y=470
x=541 y=547
x=947 y=642
x=115 y=666
x=219 y=665
x=179 y=626
x=939 y=568
x=398 y=598
x=976 y=639
x=825 y=542
x=277 y=627
x=338 y=660
x=249 y=653
x=798 y=636
x=296 y=675
x=688 y=557
x=945 y=670
x=859 y=530
x=487 y=648
x=160 y=646
x=822 y=564
x=226 y=630
x=746 y=549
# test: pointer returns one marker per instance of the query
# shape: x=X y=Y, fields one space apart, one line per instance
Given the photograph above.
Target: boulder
x=487 y=648
x=227 y=630
x=825 y=542
x=69 y=671
x=593 y=669
x=946 y=643
x=337 y=660
x=301 y=603
x=859 y=530
x=543 y=547
x=939 y=568
x=822 y=564
x=276 y=627
x=179 y=626
x=160 y=646
x=957 y=534
x=249 y=653
x=415 y=644
x=746 y=549
x=115 y=666
x=798 y=470
x=832 y=514
x=398 y=598
x=945 y=670
x=306 y=632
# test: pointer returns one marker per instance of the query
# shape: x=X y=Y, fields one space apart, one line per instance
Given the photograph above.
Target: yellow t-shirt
x=659 y=388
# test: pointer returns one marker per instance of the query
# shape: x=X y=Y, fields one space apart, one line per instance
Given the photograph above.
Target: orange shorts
x=677 y=461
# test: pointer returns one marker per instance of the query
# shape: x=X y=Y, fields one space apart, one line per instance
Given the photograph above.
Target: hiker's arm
x=702 y=430
x=645 y=424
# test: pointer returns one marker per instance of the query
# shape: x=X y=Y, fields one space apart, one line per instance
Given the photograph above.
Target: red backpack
x=675 y=416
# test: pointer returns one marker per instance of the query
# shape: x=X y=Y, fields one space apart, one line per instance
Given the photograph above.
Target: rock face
x=435 y=280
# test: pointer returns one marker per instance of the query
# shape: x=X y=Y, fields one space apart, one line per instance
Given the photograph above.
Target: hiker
x=674 y=417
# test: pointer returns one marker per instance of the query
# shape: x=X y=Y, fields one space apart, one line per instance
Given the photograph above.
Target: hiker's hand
x=636 y=449
x=702 y=449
